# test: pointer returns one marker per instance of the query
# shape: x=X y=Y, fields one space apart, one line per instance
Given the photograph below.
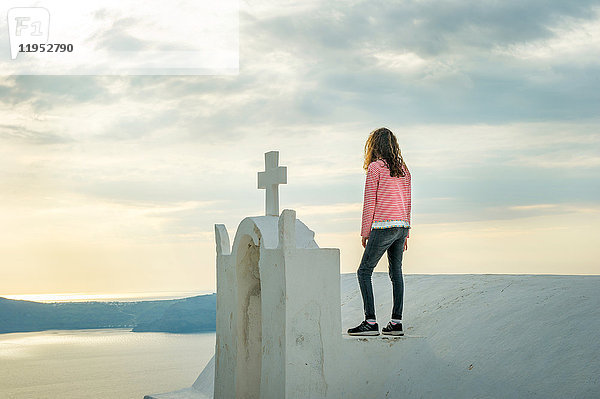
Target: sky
x=113 y=184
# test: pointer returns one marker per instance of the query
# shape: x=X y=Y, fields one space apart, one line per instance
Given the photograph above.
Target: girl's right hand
x=364 y=241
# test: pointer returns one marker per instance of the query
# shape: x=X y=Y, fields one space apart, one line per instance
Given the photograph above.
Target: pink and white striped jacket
x=387 y=199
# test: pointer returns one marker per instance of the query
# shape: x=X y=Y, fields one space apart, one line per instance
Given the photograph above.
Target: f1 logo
x=27 y=25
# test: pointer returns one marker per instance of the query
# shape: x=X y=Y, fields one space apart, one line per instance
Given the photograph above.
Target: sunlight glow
x=123 y=297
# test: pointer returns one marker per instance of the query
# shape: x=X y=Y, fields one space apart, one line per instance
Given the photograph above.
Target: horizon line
x=83 y=296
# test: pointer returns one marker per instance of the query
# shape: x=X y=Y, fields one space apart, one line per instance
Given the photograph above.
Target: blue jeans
x=390 y=239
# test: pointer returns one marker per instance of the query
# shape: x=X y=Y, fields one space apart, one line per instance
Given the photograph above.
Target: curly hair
x=382 y=144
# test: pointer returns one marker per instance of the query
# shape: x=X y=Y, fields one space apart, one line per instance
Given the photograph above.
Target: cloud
x=451 y=79
x=431 y=61
x=571 y=37
x=119 y=36
x=20 y=133
x=414 y=62
x=46 y=93
x=428 y=28
x=494 y=105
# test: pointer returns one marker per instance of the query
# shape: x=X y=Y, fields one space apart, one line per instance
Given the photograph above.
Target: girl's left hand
x=364 y=241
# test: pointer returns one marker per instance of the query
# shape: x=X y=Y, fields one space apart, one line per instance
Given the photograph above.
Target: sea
x=100 y=363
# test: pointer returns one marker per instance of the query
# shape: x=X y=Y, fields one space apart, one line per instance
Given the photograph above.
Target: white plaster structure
x=270 y=179
x=279 y=332
x=281 y=328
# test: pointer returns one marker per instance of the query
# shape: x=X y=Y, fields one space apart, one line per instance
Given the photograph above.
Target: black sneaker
x=393 y=329
x=364 y=328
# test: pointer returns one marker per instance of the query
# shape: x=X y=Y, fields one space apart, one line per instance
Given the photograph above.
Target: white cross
x=270 y=180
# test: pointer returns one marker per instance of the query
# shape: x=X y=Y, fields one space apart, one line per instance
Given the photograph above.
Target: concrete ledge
x=381 y=336
x=188 y=393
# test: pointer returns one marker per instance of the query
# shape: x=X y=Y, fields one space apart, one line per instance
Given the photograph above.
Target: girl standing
x=385 y=226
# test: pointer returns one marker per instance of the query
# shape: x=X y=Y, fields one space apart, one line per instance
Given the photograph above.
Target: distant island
x=187 y=315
